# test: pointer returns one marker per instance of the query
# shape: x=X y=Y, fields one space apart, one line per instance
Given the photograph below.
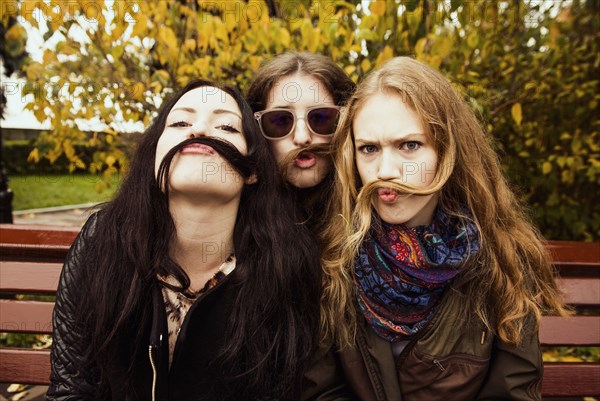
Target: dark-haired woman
x=193 y=283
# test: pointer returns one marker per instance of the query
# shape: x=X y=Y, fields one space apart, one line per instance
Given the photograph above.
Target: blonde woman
x=449 y=277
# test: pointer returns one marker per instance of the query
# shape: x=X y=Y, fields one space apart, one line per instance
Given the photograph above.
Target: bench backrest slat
x=571 y=379
x=35 y=242
x=580 y=291
x=574 y=331
x=29 y=277
x=18 y=365
x=26 y=316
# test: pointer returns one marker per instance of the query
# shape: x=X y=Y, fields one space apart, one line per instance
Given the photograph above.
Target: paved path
x=73 y=216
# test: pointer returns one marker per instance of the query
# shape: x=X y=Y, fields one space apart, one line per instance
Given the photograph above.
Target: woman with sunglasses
x=449 y=277
x=297 y=99
x=194 y=283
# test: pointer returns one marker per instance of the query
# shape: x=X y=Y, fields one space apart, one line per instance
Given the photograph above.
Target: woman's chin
x=307 y=178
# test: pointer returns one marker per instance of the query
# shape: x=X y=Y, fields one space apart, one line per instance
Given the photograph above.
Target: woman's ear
x=253 y=179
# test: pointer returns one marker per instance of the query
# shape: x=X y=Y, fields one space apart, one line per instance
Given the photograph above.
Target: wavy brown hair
x=311 y=203
x=512 y=277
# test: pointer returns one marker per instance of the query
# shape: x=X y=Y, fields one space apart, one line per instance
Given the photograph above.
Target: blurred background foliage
x=529 y=68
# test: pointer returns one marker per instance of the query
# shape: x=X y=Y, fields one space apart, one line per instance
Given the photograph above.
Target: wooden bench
x=31 y=260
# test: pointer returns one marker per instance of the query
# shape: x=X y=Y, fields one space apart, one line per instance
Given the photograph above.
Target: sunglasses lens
x=277 y=123
x=324 y=120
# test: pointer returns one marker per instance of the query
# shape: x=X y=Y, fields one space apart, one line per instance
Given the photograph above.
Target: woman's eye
x=367 y=149
x=180 y=124
x=228 y=128
x=411 y=146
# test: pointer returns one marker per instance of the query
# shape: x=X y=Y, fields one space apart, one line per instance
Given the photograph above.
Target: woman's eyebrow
x=399 y=137
x=217 y=111
x=225 y=111
x=186 y=109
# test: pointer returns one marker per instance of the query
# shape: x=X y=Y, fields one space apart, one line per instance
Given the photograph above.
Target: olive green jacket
x=455 y=358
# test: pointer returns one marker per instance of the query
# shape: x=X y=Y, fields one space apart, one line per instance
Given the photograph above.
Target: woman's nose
x=301 y=134
x=388 y=169
x=199 y=130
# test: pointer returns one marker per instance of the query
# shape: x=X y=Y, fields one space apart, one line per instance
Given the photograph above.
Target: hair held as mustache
x=369 y=190
x=244 y=165
x=320 y=149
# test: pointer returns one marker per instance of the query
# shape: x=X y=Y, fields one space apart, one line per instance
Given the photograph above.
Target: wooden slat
x=580 y=291
x=576 y=330
x=29 y=277
x=35 y=242
x=575 y=251
x=37 y=234
x=42 y=253
x=571 y=379
x=575 y=258
x=26 y=316
x=19 y=365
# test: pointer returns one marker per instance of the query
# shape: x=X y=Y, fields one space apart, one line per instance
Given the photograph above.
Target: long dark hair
x=278 y=276
x=311 y=202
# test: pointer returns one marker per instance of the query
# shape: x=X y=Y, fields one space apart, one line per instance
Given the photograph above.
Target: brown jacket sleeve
x=515 y=372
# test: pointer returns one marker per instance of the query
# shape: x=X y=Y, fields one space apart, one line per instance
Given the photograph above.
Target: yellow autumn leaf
x=110 y=160
x=546 y=168
x=473 y=39
x=167 y=44
x=314 y=40
x=377 y=7
x=34 y=156
x=140 y=25
x=284 y=36
x=79 y=163
x=231 y=21
x=49 y=57
x=220 y=30
x=442 y=46
x=420 y=48
x=517 y=113
x=306 y=30
x=40 y=114
x=138 y=91
x=349 y=69
x=365 y=65
x=385 y=55
x=69 y=150
x=161 y=75
x=570 y=358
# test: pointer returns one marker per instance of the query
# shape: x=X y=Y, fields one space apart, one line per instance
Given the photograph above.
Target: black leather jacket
x=190 y=376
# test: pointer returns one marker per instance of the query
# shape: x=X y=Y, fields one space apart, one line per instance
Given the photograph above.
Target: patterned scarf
x=401 y=273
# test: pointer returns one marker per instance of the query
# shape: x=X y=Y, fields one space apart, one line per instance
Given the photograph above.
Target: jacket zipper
x=153 y=373
x=437 y=363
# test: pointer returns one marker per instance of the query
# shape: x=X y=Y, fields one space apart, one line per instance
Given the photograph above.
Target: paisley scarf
x=401 y=273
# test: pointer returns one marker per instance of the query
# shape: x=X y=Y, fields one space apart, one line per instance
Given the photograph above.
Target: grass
x=38 y=191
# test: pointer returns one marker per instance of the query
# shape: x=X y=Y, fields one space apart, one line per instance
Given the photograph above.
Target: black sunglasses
x=279 y=123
